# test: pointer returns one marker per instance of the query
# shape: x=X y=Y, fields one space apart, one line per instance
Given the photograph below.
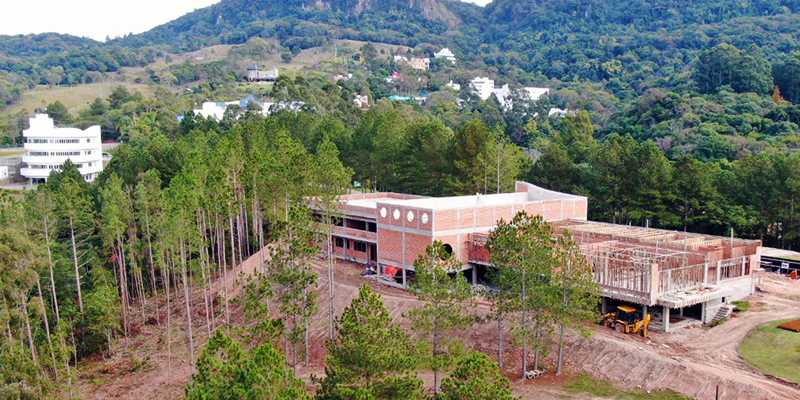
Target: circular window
x=396 y=214
x=425 y=218
x=383 y=212
x=410 y=216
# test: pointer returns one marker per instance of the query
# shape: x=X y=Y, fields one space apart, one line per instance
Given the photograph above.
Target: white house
x=453 y=85
x=255 y=74
x=48 y=147
x=484 y=88
x=446 y=54
x=216 y=109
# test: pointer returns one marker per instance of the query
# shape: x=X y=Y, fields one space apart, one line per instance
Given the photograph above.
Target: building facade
x=47 y=147
x=256 y=74
x=394 y=229
x=679 y=277
x=484 y=88
x=216 y=109
x=446 y=54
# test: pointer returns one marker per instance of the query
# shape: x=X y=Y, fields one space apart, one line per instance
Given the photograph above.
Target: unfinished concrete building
x=678 y=277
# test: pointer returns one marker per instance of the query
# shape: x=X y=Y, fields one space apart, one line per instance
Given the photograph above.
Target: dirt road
x=695 y=361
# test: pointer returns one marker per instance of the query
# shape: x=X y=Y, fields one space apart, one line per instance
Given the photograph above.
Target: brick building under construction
x=680 y=278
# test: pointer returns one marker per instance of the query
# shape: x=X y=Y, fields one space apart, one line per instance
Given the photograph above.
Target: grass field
x=773 y=351
x=76 y=98
x=585 y=383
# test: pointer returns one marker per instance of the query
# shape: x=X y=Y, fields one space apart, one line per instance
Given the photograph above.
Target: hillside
x=41 y=44
x=234 y=21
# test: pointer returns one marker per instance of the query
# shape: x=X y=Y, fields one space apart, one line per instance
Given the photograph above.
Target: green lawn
x=772 y=350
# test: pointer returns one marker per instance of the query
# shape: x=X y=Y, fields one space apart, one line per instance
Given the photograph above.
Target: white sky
x=98 y=18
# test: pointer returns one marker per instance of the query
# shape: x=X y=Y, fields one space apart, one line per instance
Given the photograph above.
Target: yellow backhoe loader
x=626 y=320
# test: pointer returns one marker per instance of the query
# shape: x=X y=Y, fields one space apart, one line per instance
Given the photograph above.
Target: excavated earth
x=691 y=361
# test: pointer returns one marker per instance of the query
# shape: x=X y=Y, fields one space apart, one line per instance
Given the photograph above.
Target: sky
x=98 y=18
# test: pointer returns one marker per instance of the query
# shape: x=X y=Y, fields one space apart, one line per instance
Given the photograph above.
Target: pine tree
x=574 y=280
x=446 y=294
x=331 y=180
x=75 y=209
x=292 y=279
x=371 y=357
x=226 y=371
x=522 y=252
x=476 y=377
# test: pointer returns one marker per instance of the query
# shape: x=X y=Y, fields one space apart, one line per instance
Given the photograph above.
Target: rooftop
x=534 y=194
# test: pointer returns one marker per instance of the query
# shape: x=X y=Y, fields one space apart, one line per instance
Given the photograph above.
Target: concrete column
x=666 y=319
x=705 y=273
x=744 y=261
x=703 y=312
x=644 y=311
x=603 y=305
x=719 y=271
x=680 y=311
x=474 y=275
x=404 y=278
x=346 y=245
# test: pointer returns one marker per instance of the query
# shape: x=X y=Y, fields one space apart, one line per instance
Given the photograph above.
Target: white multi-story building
x=48 y=147
x=484 y=88
x=446 y=54
x=216 y=109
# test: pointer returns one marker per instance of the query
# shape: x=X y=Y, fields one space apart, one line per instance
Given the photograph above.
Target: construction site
x=679 y=278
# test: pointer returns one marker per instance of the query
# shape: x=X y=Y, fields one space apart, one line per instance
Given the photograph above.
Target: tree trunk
x=435 y=348
x=329 y=238
x=50 y=266
x=122 y=288
x=500 y=339
x=224 y=268
x=46 y=327
x=305 y=327
x=536 y=337
x=209 y=259
x=233 y=245
x=188 y=309
x=75 y=264
x=560 y=349
x=499 y=163
x=23 y=296
x=524 y=328
x=152 y=266
x=165 y=277
x=286 y=339
x=202 y=250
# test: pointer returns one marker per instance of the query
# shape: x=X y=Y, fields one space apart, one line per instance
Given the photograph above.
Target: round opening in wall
x=383 y=212
x=410 y=216
x=425 y=218
x=448 y=248
x=396 y=214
